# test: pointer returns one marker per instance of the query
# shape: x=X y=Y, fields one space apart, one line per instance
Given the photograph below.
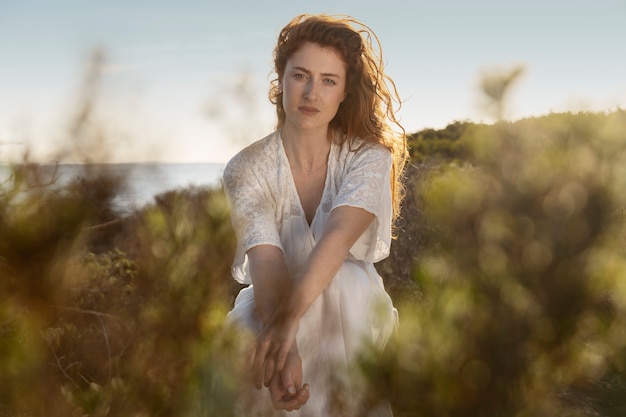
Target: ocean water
x=143 y=181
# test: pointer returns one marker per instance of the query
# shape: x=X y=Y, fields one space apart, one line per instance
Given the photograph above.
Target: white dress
x=354 y=312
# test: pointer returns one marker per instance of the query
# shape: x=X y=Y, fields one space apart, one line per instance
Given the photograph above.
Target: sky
x=187 y=80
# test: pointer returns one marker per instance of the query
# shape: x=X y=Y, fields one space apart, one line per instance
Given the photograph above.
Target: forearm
x=274 y=291
x=277 y=340
x=323 y=264
x=343 y=228
x=270 y=278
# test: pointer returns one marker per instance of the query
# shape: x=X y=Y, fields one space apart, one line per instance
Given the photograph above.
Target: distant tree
x=439 y=144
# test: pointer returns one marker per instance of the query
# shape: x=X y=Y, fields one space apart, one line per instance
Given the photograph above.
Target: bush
x=508 y=272
x=523 y=277
x=124 y=331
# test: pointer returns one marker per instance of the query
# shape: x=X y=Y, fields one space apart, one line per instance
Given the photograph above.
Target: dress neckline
x=294 y=189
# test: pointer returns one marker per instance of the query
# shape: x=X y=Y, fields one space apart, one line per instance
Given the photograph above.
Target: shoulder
x=253 y=157
x=359 y=152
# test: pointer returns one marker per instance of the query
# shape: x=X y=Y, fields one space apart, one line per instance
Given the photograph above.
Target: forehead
x=316 y=58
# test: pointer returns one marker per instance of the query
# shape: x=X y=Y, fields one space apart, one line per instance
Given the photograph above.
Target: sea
x=143 y=181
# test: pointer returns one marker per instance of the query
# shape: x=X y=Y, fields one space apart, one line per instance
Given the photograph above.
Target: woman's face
x=314 y=85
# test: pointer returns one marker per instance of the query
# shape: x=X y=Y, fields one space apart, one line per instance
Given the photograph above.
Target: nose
x=310 y=91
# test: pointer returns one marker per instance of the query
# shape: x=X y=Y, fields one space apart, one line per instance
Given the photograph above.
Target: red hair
x=368 y=111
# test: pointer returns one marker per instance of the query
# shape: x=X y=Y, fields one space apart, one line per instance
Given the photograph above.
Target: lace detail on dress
x=247 y=182
x=265 y=207
x=362 y=179
x=366 y=179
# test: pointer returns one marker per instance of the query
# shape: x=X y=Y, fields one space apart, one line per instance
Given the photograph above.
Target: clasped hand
x=286 y=390
x=276 y=362
x=272 y=347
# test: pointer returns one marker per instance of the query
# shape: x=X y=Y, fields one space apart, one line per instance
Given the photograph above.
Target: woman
x=313 y=205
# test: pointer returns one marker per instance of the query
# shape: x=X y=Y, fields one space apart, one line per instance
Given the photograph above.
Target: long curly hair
x=368 y=110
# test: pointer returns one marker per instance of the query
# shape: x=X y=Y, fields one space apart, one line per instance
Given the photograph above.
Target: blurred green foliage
x=121 y=331
x=439 y=144
x=508 y=272
x=523 y=277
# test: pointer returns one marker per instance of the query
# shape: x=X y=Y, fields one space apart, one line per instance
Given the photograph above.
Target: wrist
x=295 y=307
x=287 y=313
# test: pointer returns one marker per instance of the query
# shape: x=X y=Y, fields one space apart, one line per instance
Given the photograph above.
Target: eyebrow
x=324 y=74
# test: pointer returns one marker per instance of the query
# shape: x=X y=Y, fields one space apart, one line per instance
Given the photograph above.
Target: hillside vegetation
x=509 y=273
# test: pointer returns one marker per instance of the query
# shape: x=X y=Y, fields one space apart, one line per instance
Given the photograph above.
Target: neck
x=306 y=151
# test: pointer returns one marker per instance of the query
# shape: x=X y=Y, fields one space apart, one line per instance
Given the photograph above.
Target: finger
x=292 y=404
x=269 y=369
x=278 y=399
x=288 y=383
x=260 y=354
x=285 y=402
x=281 y=357
x=302 y=397
x=304 y=394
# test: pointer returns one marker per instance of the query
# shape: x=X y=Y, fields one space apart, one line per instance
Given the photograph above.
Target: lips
x=308 y=110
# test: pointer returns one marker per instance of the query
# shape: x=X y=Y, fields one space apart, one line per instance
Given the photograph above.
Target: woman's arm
x=342 y=229
x=270 y=279
x=272 y=286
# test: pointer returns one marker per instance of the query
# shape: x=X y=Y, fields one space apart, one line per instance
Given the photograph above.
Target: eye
x=330 y=81
x=299 y=76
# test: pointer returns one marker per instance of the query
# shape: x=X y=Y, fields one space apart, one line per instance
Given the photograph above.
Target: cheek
x=340 y=98
x=289 y=92
x=285 y=98
x=341 y=95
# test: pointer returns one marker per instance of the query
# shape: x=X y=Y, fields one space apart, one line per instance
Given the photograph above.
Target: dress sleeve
x=252 y=211
x=367 y=185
